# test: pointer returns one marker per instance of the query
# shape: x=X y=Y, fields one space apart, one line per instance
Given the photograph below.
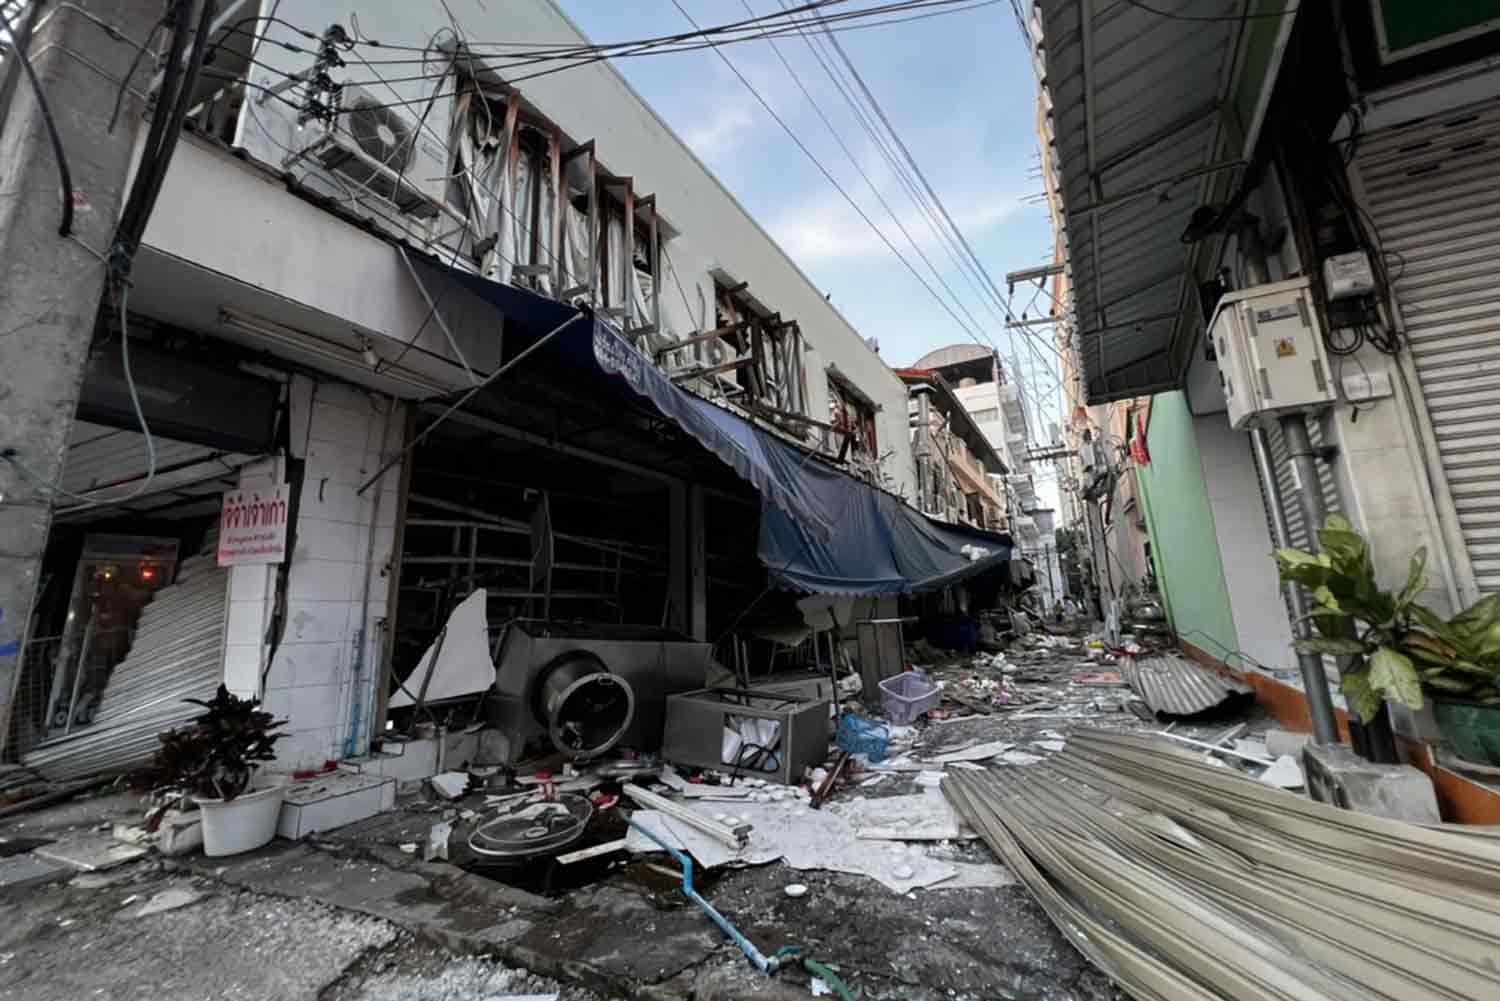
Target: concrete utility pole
x=50 y=286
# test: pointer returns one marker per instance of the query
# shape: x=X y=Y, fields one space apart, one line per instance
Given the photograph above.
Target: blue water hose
x=762 y=962
x=766 y=964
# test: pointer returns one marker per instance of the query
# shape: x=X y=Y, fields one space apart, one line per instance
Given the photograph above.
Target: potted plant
x=213 y=760
x=1459 y=661
x=1399 y=649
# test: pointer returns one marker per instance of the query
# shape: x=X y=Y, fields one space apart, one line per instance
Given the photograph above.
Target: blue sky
x=960 y=89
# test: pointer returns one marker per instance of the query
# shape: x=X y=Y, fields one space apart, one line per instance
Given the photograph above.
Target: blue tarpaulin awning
x=821 y=530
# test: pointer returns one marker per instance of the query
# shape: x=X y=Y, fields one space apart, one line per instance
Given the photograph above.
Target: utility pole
x=50 y=285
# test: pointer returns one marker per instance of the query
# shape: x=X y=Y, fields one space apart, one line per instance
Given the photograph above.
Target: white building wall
x=714 y=232
x=1383 y=484
x=1245 y=544
x=978 y=401
x=277 y=257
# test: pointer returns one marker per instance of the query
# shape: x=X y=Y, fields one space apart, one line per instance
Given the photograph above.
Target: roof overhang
x=1149 y=116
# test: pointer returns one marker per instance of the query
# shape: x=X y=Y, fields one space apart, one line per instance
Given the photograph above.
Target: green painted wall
x=1184 y=547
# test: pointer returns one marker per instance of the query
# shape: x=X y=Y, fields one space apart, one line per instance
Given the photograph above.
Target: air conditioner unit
x=380 y=148
x=1271 y=356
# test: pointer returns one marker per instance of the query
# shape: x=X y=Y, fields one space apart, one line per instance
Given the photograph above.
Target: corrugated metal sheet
x=177 y=653
x=1135 y=98
x=100 y=457
x=1177 y=686
x=1184 y=881
x=1431 y=188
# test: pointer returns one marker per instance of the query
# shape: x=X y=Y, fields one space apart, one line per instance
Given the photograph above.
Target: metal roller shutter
x=1432 y=188
x=1296 y=523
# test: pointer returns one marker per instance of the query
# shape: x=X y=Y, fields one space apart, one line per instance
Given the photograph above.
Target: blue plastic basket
x=858 y=735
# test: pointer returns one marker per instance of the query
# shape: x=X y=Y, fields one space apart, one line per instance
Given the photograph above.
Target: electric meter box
x=1270 y=352
x=1348 y=275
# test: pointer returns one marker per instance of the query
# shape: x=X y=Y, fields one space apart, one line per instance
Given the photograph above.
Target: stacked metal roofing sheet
x=177 y=654
x=1176 y=685
x=1185 y=881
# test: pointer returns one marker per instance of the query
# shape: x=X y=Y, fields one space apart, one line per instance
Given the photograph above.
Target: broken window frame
x=770 y=377
x=860 y=438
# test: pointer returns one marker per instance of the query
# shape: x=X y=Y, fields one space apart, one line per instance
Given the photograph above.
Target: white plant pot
x=243 y=823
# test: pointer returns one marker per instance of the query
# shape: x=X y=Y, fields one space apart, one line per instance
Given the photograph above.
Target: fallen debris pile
x=1185 y=881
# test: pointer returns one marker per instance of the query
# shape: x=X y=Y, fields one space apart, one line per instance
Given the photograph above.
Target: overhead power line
x=874 y=188
x=965 y=249
x=929 y=202
x=882 y=145
x=533 y=53
x=830 y=178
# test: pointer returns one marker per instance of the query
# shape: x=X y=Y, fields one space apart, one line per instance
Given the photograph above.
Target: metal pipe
x=362 y=633
x=1314 y=679
x=1252 y=250
x=465 y=399
x=83 y=657
x=924 y=451
x=764 y=963
x=432 y=311
x=1305 y=462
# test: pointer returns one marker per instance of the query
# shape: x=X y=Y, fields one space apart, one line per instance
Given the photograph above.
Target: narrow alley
x=900 y=500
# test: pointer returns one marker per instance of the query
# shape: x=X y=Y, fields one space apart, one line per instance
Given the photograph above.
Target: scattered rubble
x=568 y=833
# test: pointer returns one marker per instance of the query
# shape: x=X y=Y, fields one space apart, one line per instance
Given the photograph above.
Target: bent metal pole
x=465 y=399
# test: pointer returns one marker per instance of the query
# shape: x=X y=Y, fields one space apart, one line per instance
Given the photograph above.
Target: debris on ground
x=871 y=813
x=450 y=785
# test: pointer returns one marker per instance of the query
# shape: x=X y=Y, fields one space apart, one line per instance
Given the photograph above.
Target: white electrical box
x=1348 y=275
x=1270 y=351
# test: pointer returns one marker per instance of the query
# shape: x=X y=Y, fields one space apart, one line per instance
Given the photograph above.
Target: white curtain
x=520 y=208
x=641 y=285
x=618 y=267
x=576 y=240
x=546 y=253
x=482 y=152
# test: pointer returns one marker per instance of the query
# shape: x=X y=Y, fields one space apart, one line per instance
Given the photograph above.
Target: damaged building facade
x=449 y=335
x=974 y=453
x=1278 y=234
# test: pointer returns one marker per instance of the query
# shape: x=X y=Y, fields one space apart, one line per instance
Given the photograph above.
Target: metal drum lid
x=536 y=829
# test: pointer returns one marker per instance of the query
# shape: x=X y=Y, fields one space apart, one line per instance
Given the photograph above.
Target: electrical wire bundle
x=565 y=56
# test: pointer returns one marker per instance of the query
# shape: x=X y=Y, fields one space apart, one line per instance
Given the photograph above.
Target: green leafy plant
x=1399 y=649
x=216 y=755
x=1459 y=658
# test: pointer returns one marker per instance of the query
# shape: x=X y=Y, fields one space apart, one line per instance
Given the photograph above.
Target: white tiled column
x=313 y=679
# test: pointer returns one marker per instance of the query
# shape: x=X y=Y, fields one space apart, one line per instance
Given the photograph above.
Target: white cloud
x=720 y=134
x=725 y=115
x=828 y=230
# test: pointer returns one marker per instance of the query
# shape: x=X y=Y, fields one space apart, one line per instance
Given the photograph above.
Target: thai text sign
x=252 y=526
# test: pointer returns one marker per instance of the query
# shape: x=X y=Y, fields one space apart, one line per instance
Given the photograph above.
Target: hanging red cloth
x=1138 y=451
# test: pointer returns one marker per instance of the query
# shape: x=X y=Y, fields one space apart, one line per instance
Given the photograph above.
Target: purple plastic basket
x=908 y=695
